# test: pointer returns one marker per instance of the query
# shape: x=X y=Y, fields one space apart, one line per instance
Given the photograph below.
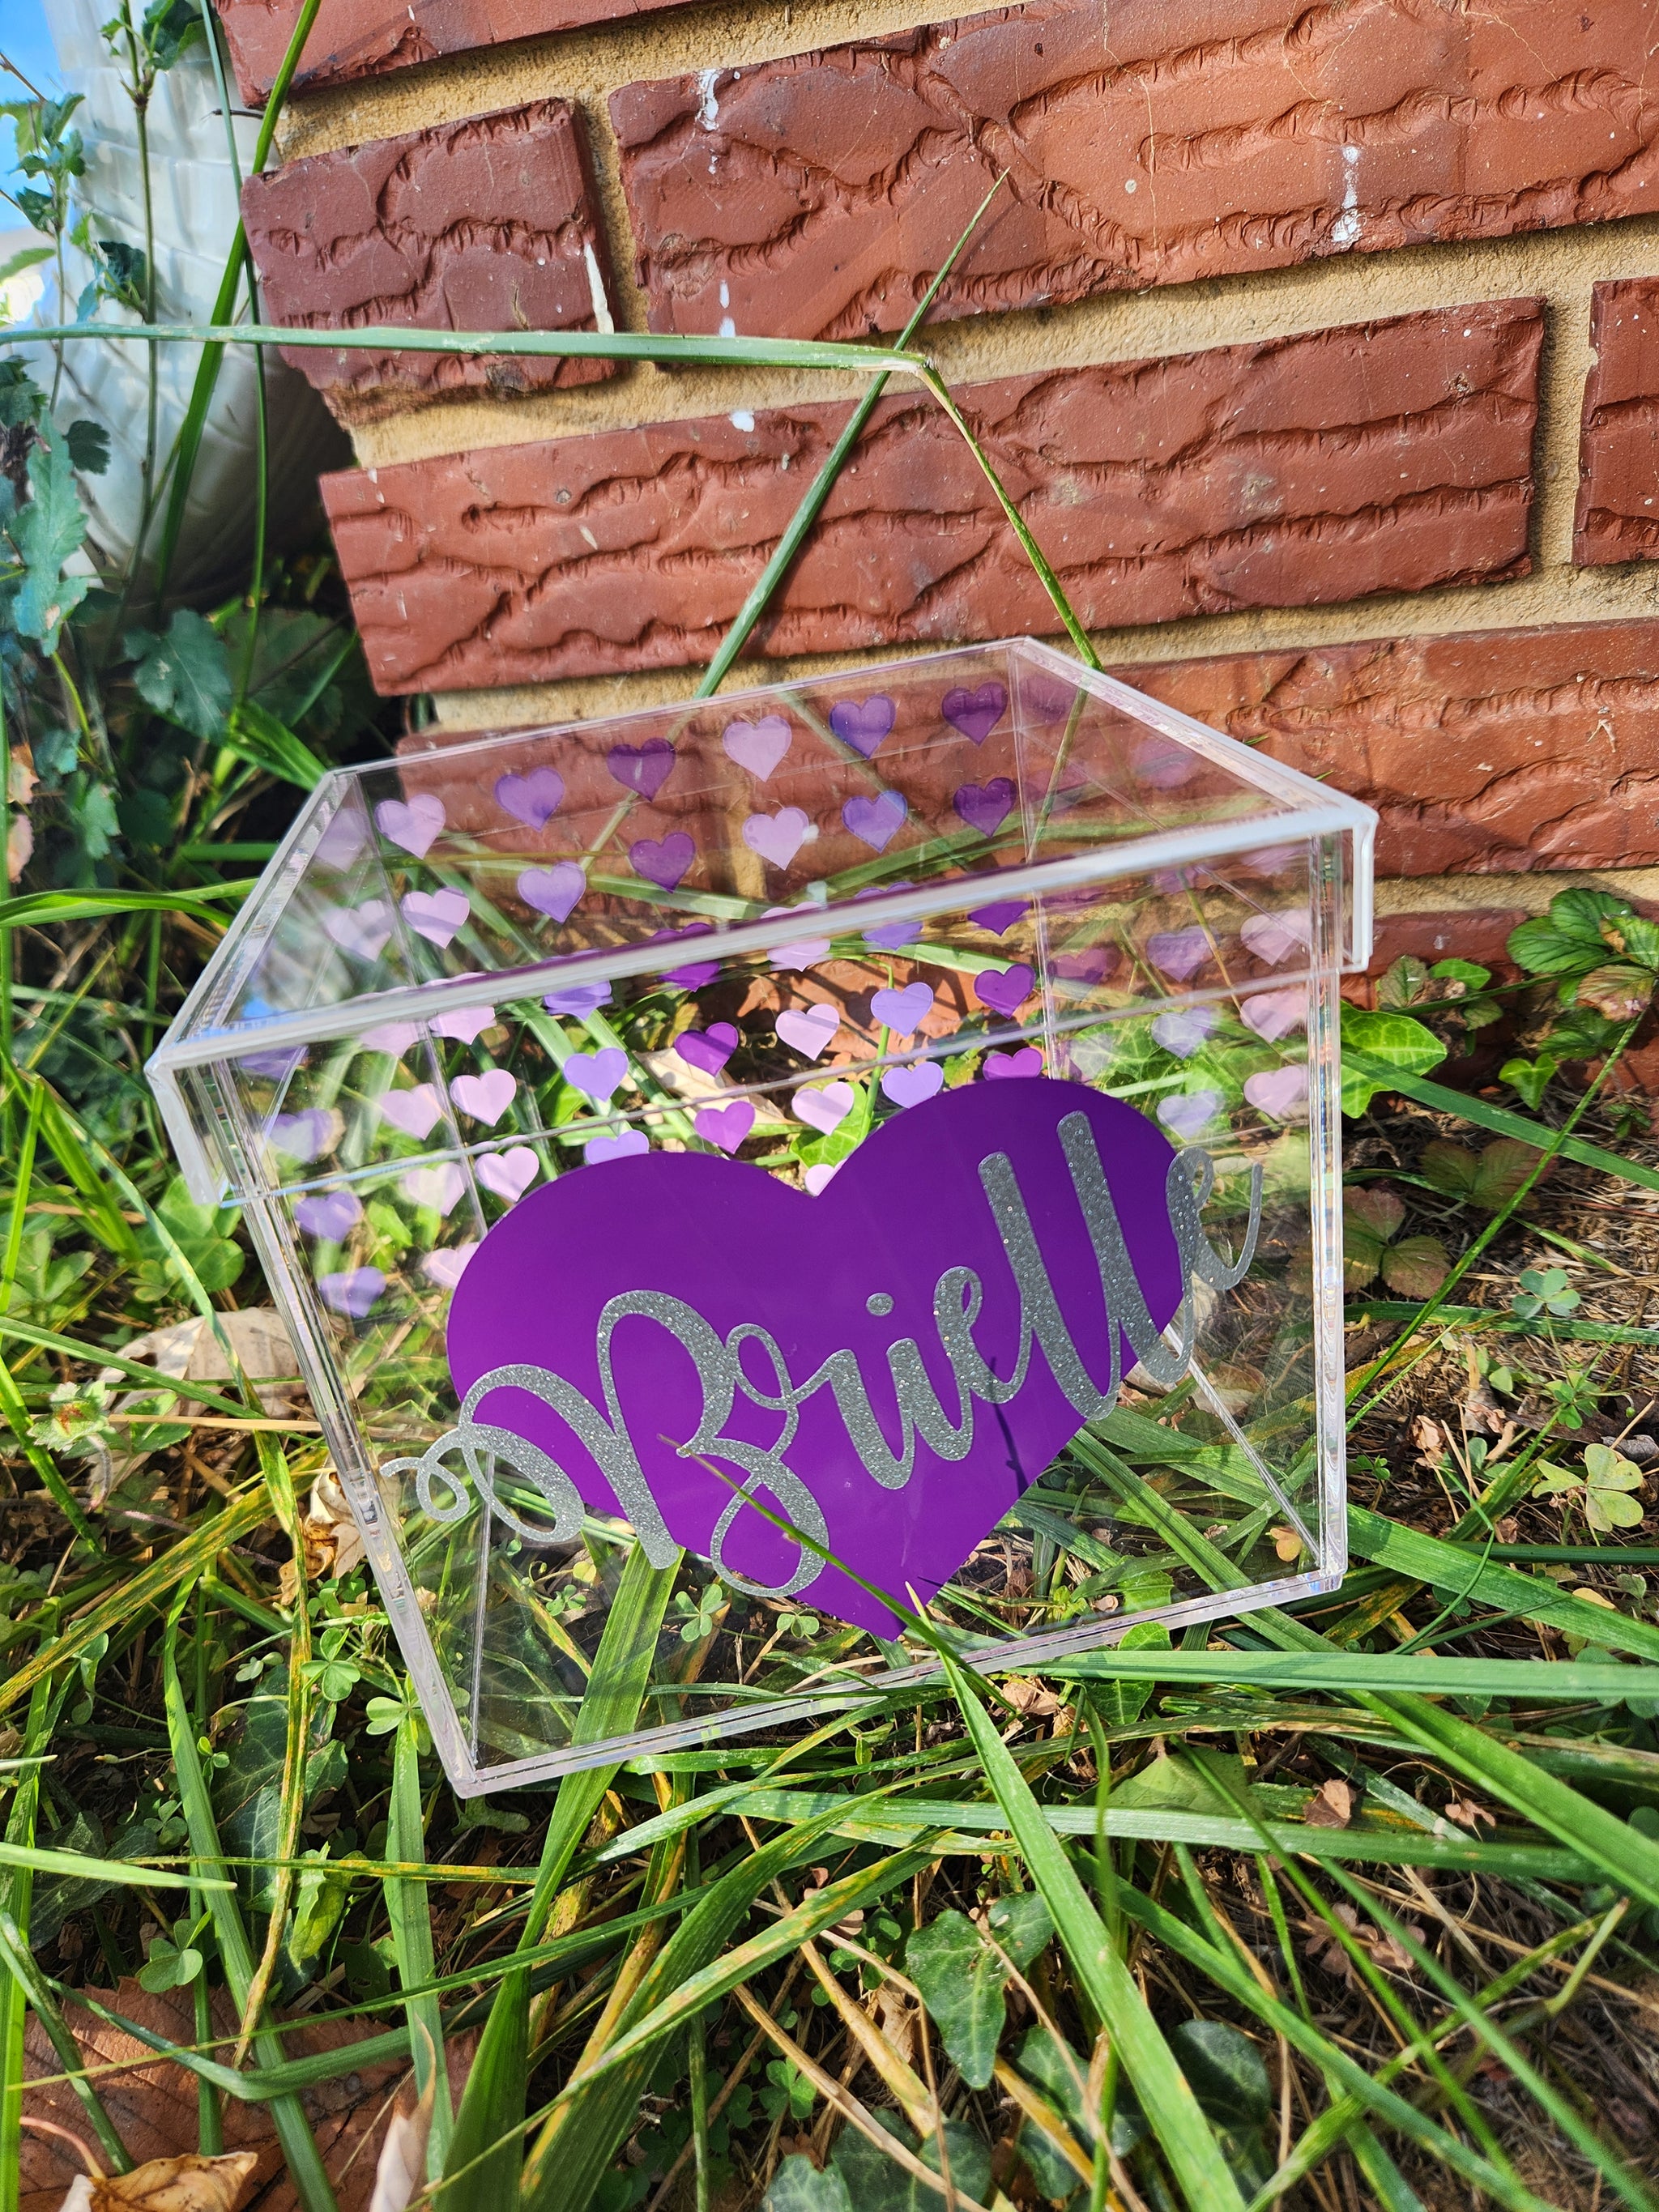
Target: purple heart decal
x=303 y=1137
x=412 y=823
x=986 y=806
x=553 y=891
x=903 y=1011
x=352 y=1293
x=437 y=915
x=341 y=843
x=331 y=1215
x=597 y=1075
x=975 y=713
x=820 y=1173
x=695 y=973
x=463 y=1024
x=1274 y=1014
x=447 y=1267
x=798 y=957
x=1281 y=1091
x=1185 y=1031
x=415 y=1112
x=726 y=1126
x=1090 y=966
x=1178 y=953
x=875 y=822
x=578 y=1000
x=924 y=1219
x=915 y=1085
x=1189 y=1111
x=825 y=1106
x=626 y=1145
x=643 y=768
x=274 y=1065
x=1274 y=937
x=1165 y=763
x=663 y=862
x=1048 y=703
x=863 y=723
x=1000 y=1066
x=708 y=1049
x=1001 y=915
x=393 y=1037
x=777 y=837
x=533 y=800
x=361 y=930
x=892 y=936
x=1004 y=990
x=758 y=746
x=438 y=1188
x=509 y=1174
x=810 y=1029
x=485 y=1098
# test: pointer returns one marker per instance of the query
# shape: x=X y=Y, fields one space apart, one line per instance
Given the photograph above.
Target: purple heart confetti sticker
x=643 y=768
x=777 y=837
x=413 y=823
x=759 y=746
x=694 y=974
x=1090 y=966
x=1163 y=763
x=508 y=1174
x=863 y=723
x=1273 y=860
x=578 y=1000
x=1274 y=1014
x=903 y=1011
x=1281 y=1091
x=662 y=860
x=1187 y=1112
x=820 y=1175
x=447 y=1267
x=875 y=822
x=1000 y=916
x=708 y=1049
x=485 y=1098
x=1274 y=937
x=414 y=1112
x=361 y=930
x=331 y=1215
x=352 y=1293
x=438 y=1188
x=626 y=1145
x=1178 y=953
x=975 y=713
x=435 y=915
x=463 y=1024
x=1048 y=703
x=1185 y=1031
x=553 y=891
x=913 y=1085
x=1000 y=1066
x=274 y=1065
x=796 y=957
x=986 y=806
x=825 y=1106
x=810 y=1029
x=393 y=1037
x=597 y=1075
x=304 y=1136
x=1004 y=989
x=726 y=1126
x=343 y=839
x=892 y=936
x=533 y=800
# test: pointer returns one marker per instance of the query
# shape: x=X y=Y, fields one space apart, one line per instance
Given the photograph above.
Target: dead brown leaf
x=188 y=2183
x=1467 y=1814
x=1027 y=1696
x=334 y=1543
x=1430 y=1439
x=1287 y=1545
x=1331 y=1805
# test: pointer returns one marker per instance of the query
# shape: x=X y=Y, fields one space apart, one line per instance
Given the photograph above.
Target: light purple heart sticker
x=903 y=1011
x=361 y=930
x=1004 y=990
x=1048 y=703
x=352 y=1293
x=626 y=1145
x=777 y=837
x=892 y=936
x=662 y=860
x=1000 y=916
x=1274 y=1014
x=875 y=822
x=578 y=1000
x=695 y=973
x=975 y=713
x=438 y=1186
x=1187 y=1112
x=463 y=1024
x=1183 y=1031
x=810 y=1029
x=708 y=1049
x=1280 y=1091
x=1090 y=966
x=447 y=1267
x=1178 y=953
x=1000 y=1066
x=415 y=1112
x=915 y=1085
x=393 y=1037
x=341 y=843
x=508 y=1174
x=726 y=1126
x=553 y=891
x=796 y=958
x=986 y=806
x=825 y=1106
x=485 y=1098
x=643 y=768
x=413 y=823
x=1163 y=763
x=863 y=723
x=820 y=1175
x=597 y=1075
x=435 y=915
x=533 y=800
x=1274 y=937
x=331 y=1215
x=758 y=745
x=304 y=1136
x=274 y=1065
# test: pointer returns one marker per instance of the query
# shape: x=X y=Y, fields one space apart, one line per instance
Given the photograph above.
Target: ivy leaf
x=1529 y=1077
x=1226 y=2071
x=798 y=2187
x=46 y=532
x=185 y=675
x=962 y=1978
x=1395 y=1041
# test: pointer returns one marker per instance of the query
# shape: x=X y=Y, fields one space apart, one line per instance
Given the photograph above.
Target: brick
x=1385 y=457
x=366 y=38
x=483 y=225
x=1618 y=516
x=818 y=195
x=1498 y=750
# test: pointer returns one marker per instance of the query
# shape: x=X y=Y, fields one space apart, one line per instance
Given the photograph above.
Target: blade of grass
x=18 y=1890
x=412 y=1939
x=1582 y=1331
x=1348 y=1671
x=51 y=909
x=15 y=1956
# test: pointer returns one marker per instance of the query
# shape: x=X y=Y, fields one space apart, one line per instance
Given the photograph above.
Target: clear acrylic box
x=773 y=1131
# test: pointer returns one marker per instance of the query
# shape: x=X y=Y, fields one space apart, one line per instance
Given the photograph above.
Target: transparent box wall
x=762 y=927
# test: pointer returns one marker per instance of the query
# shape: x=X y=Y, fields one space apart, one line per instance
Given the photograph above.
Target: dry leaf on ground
x=1331 y=1805
x=187 y=2183
x=189 y=1352
x=334 y=1543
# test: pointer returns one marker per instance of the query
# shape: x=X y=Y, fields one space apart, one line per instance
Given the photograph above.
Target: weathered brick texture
x=1385 y=457
x=1147 y=143
x=1501 y=751
x=1618 y=517
x=483 y=225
